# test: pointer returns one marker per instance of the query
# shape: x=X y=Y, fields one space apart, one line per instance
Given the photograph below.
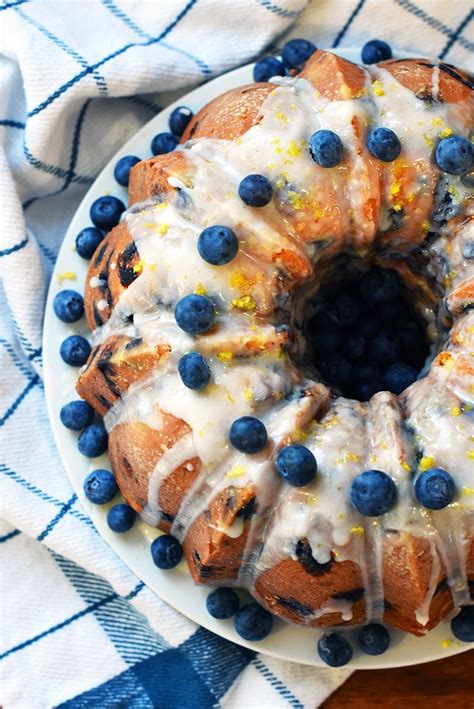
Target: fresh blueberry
x=468 y=250
x=364 y=389
x=398 y=377
x=337 y=370
x=100 y=487
x=93 y=440
x=383 y=144
x=463 y=625
x=68 y=305
x=248 y=434
x=373 y=493
x=296 y=465
x=222 y=603
x=334 y=649
x=121 y=518
x=76 y=415
x=325 y=342
x=87 y=241
x=376 y=51
x=106 y=211
x=267 y=67
x=255 y=190
x=123 y=167
x=252 y=622
x=194 y=314
x=296 y=52
x=166 y=551
x=75 y=350
x=373 y=639
x=454 y=155
x=326 y=148
x=194 y=370
x=179 y=119
x=384 y=348
x=346 y=309
x=218 y=245
x=434 y=489
x=354 y=347
x=379 y=286
x=163 y=143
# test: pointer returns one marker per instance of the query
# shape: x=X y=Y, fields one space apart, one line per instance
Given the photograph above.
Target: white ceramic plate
x=176 y=587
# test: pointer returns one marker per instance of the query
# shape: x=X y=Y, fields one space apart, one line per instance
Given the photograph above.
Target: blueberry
x=106 y=211
x=398 y=377
x=252 y=622
x=194 y=370
x=123 y=167
x=267 y=67
x=373 y=639
x=296 y=465
x=248 y=434
x=463 y=625
x=468 y=250
x=121 y=518
x=434 y=489
x=354 y=347
x=87 y=241
x=379 y=286
x=218 y=245
x=346 y=309
x=373 y=493
x=326 y=342
x=75 y=350
x=163 y=143
x=179 y=119
x=166 y=551
x=296 y=52
x=364 y=389
x=376 y=51
x=76 y=415
x=384 y=348
x=100 y=487
x=383 y=144
x=255 y=190
x=326 y=148
x=334 y=649
x=194 y=314
x=93 y=440
x=337 y=370
x=68 y=305
x=454 y=155
x=222 y=603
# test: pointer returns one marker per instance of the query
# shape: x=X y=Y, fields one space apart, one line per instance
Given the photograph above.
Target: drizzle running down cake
x=221 y=428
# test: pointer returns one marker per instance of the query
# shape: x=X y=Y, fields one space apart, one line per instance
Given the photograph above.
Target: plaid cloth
x=78 y=628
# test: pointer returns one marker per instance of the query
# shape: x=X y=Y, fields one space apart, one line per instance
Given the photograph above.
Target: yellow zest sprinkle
x=445 y=133
x=468 y=491
x=345 y=91
x=470 y=329
x=453 y=191
x=239 y=280
x=373 y=458
x=446 y=643
x=360 y=531
x=225 y=356
x=378 y=88
x=281 y=116
x=426 y=463
x=294 y=150
x=238 y=141
x=229 y=396
x=429 y=140
x=467 y=408
x=163 y=229
x=406 y=467
x=248 y=394
x=149 y=225
x=66 y=276
x=397 y=207
x=200 y=289
x=138 y=268
x=352 y=457
x=152 y=266
x=470 y=455
x=425 y=226
x=437 y=121
x=311 y=500
x=410 y=196
x=245 y=302
x=455 y=411
x=229 y=195
x=299 y=434
x=236 y=472
x=297 y=201
x=331 y=422
x=161 y=205
x=395 y=188
x=279 y=184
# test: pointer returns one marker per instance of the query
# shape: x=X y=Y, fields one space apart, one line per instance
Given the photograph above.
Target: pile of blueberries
x=365 y=336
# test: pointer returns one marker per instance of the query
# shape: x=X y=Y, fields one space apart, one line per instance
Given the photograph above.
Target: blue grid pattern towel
x=77 y=80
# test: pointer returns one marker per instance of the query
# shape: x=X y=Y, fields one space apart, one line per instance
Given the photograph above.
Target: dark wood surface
x=446 y=683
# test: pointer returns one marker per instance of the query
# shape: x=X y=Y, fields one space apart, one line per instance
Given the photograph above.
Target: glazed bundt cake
x=220 y=426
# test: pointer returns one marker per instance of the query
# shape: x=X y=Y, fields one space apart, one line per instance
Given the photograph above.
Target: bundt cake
x=221 y=428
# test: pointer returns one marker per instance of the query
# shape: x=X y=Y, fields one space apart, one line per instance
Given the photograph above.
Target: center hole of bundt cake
x=364 y=333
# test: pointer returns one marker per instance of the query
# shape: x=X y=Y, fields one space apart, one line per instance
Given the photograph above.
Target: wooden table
x=446 y=683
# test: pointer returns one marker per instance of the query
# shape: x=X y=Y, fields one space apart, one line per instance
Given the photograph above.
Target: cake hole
x=363 y=332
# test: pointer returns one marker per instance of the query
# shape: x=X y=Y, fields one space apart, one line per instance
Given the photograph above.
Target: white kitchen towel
x=77 y=78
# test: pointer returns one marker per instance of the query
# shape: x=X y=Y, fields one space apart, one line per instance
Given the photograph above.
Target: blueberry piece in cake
x=384 y=348
x=163 y=143
x=454 y=155
x=379 y=286
x=334 y=649
x=252 y=622
x=123 y=167
x=179 y=119
x=106 y=211
x=248 y=434
x=346 y=309
x=326 y=148
x=68 y=305
x=296 y=465
x=76 y=415
x=435 y=489
x=75 y=350
x=93 y=440
x=194 y=370
x=336 y=369
x=100 y=487
x=354 y=347
x=255 y=190
x=166 y=551
x=194 y=314
x=384 y=144
x=121 y=518
x=218 y=245
x=463 y=625
x=222 y=603
x=399 y=376
x=373 y=639
x=296 y=52
x=87 y=241
x=376 y=51
x=267 y=67
x=373 y=493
